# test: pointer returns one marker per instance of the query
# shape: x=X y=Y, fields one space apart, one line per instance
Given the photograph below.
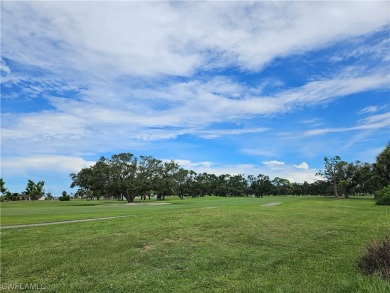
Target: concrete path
x=57 y=223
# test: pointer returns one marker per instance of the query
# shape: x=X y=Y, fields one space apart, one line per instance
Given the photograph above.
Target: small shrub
x=64 y=197
x=382 y=196
x=377 y=258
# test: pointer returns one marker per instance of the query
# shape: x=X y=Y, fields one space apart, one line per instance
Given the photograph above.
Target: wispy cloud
x=274 y=165
x=378 y=50
x=371 y=109
x=209 y=134
x=261 y=151
x=311 y=121
x=3 y=67
x=372 y=122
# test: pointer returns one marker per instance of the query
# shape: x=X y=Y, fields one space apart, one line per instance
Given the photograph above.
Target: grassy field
x=210 y=244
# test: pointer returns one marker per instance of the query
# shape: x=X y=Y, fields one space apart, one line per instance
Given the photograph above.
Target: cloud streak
x=379 y=121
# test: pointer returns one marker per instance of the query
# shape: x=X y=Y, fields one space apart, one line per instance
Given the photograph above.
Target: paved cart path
x=57 y=223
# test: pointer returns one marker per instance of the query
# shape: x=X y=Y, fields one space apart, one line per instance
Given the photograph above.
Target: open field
x=302 y=244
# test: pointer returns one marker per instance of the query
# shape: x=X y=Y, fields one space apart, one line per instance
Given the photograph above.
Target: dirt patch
x=168 y=240
x=148 y=247
x=271 y=204
x=147 y=203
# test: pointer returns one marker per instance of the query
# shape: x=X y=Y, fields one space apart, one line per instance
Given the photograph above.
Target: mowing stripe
x=57 y=223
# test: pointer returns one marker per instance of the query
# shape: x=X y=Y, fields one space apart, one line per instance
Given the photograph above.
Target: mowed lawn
x=304 y=244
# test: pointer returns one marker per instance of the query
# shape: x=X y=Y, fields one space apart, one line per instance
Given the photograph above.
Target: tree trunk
x=336 y=194
x=129 y=198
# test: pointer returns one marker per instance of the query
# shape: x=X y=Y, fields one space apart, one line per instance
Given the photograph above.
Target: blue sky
x=220 y=87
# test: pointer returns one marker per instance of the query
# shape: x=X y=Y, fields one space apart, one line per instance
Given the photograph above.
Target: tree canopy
x=34 y=190
x=126 y=176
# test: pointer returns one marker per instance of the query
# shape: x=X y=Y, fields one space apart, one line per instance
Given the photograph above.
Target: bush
x=382 y=196
x=377 y=258
x=64 y=197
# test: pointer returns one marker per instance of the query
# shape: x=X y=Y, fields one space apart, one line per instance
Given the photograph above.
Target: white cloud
x=42 y=164
x=322 y=91
x=53 y=169
x=379 y=51
x=303 y=166
x=371 y=109
x=283 y=171
x=378 y=121
x=260 y=151
x=209 y=134
x=311 y=121
x=143 y=38
x=188 y=165
x=274 y=165
x=4 y=67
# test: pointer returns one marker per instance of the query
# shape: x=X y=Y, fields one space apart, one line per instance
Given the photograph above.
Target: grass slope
x=198 y=245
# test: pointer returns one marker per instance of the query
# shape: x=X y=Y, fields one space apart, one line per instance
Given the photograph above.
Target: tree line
x=33 y=191
x=127 y=176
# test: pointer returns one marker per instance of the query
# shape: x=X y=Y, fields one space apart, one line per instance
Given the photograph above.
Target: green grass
x=210 y=244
